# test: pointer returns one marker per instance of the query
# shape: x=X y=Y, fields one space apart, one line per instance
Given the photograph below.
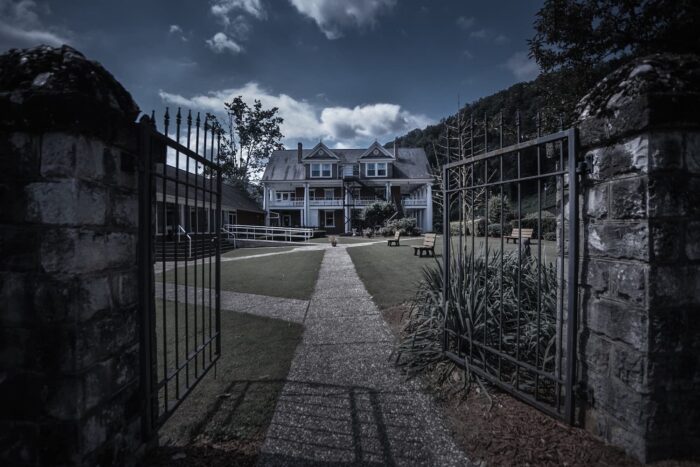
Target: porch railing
x=295 y=203
x=412 y=202
x=235 y=232
x=365 y=201
x=325 y=202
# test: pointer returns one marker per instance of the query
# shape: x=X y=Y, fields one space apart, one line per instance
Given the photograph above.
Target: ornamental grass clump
x=488 y=304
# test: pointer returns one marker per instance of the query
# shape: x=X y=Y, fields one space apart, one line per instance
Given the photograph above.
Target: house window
x=376 y=169
x=284 y=195
x=328 y=193
x=330 y=218
x=320 y=170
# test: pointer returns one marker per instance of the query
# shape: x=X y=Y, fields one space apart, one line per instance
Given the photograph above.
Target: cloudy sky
x=345 y=71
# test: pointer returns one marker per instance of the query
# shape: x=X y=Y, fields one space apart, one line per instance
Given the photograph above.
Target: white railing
x=325 y=202
x=181 y=230
x=297 y=203
x=263 y=233
x=364 y=201
x=409 y=202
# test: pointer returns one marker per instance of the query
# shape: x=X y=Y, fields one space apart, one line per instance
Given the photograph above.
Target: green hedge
x=467 y=227
x=495 y=230
x=406 y=225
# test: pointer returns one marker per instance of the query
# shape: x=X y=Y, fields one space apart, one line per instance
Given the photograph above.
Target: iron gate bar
x=573 y=279
x=156 y=388
x=520 y=253
x=177 y=214
x=188 y=221
x=146 y=261
x=487 y=370
x=506 y=182
x=520 y=146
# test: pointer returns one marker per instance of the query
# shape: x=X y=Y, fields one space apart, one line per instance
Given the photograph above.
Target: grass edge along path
x=225 y=418
x=390 y=274
x=289 y=275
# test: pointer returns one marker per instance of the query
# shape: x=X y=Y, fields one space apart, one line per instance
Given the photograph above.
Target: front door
x=329 y=219
x=286 y=220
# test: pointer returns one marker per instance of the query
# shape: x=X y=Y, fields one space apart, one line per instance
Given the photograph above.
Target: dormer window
x=375 y=169
x=320 y=170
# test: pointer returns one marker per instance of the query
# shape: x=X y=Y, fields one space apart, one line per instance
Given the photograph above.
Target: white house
x=327 y=188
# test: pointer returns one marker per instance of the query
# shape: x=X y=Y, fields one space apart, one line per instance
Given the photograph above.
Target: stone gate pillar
x=640 y=336
x=69 y=336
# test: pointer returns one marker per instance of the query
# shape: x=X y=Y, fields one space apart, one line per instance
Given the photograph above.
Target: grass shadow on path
x=225 y=418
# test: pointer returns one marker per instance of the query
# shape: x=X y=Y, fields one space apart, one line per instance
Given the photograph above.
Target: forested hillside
x=523 y=97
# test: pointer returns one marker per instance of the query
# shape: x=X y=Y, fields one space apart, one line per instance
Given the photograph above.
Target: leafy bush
x=406 y=225
x=377 y=213
x=467 y=227
x=551 y=236
x=494 y=230
x=549 y=223
x=494 y=206
x=477 y=310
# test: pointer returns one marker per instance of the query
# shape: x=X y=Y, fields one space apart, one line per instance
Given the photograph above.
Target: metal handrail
x=265 y=233
x=189 y=239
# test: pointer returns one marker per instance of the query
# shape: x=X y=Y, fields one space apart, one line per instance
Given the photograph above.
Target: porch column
x=429 y=207
x=266 y=205
x=305 y=216
x=346 y=210
x=387 y=188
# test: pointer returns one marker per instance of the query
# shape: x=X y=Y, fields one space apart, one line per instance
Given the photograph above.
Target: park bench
x=428 y=245
x=516 y=234
x=395 y=240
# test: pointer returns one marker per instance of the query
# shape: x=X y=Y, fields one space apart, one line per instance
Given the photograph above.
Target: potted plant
x=334 y=240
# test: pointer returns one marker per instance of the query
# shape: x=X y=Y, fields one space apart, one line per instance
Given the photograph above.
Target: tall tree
x=577 y=42
x=254 y=133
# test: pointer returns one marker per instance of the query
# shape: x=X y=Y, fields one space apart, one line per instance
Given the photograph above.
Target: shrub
x=494 y=230
x=377 y=213
x=467 y=227
x=495 y=204
x=549 y=223
x=551 y=236
x=476 y=308
x=406 y=225
x=477 y=227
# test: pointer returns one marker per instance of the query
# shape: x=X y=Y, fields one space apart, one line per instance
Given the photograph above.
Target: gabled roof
x=284 y=166
x=231 y=196
x=320 y=152
x=376 y=151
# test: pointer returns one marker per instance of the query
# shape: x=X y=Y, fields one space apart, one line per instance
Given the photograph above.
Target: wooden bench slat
x=517 y=233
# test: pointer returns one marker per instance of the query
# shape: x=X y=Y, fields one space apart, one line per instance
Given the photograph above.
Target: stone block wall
x=69 y=322
x=640 y=267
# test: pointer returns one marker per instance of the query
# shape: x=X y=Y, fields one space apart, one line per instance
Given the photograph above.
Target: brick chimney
x=299 y=147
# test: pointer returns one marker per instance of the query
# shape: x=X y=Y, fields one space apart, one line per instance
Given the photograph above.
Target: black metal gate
x=180 y=250
x=510 y=264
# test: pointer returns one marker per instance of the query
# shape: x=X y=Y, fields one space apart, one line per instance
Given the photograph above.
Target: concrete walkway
x=344 y=402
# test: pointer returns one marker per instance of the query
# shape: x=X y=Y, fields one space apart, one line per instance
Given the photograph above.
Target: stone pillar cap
x=56 y=88
x=653 y=91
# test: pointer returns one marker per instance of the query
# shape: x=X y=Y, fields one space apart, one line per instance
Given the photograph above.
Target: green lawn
x=243 y=252
x=233 y=405
x=291 y=275
x=391 y=274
